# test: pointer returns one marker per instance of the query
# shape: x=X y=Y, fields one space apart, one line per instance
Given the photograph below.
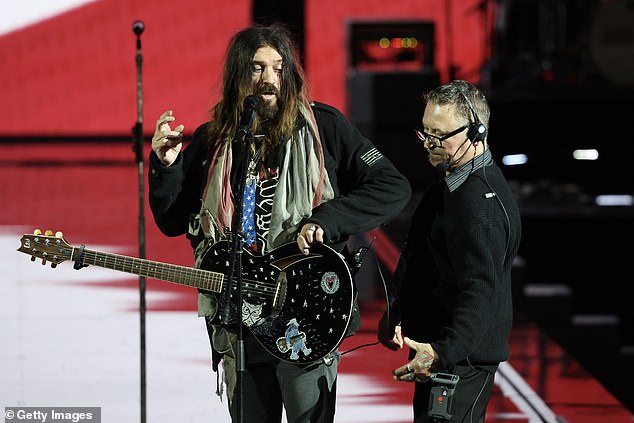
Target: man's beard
x=267 y=111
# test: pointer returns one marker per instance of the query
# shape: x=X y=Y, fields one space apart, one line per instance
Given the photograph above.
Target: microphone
x=442 y=167
x=248 y=114
x=445 y=166
x=138 y=27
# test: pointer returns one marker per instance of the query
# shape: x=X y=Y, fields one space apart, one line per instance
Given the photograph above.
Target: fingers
x=309 y=234
x=168 y=136
x=410 y=373
x=167 y=142
x=175 y=137
x=421 y=367
x=313 y=233
x=403 y=371
x=164 y=132
x=410 y=343
x=398 y=336
x=165 y=118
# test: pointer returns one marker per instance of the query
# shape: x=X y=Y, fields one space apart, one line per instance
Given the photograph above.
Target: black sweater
x=455 y=270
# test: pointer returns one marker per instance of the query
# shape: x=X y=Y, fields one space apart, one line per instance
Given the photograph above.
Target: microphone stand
x=236 y=263
x=137 y=28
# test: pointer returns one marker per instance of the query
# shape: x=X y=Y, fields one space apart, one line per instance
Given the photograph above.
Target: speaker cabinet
x=385 y=107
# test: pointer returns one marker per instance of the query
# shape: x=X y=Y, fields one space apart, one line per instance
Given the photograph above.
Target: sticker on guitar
x=293 y=340
x=330 y=282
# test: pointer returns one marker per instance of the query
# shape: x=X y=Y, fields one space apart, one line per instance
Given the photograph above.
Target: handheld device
x=441 y=395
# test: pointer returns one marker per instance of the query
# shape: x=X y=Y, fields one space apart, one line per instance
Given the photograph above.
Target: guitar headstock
x=48 y=247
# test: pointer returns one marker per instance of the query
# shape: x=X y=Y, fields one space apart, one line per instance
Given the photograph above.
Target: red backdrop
x=75 y=73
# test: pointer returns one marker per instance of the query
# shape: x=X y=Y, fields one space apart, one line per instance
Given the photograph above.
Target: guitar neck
x=181 y=275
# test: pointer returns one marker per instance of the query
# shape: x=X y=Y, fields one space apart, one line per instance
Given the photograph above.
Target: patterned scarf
x=303 y=185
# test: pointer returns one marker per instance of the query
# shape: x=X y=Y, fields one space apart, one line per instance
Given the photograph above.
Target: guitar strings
x=175 y=272
x=208 y=280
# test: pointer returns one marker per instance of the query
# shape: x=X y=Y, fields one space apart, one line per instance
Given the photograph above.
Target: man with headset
x=452 y=287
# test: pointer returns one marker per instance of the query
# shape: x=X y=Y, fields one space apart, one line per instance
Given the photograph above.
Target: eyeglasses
x=424 y=136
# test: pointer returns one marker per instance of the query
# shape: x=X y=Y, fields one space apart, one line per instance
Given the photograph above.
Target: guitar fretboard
x=181 y=275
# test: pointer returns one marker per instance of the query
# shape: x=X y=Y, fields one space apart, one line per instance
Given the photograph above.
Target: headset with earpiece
x=477 y=131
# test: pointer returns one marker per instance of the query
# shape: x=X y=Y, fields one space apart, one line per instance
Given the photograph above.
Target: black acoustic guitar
x=298 y=307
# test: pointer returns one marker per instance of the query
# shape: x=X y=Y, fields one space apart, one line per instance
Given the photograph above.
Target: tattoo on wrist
x=426 y=360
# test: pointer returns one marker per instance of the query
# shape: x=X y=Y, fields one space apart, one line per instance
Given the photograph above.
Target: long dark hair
x=237 y=83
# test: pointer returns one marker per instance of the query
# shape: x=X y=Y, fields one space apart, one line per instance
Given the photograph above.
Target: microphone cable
x=358 y=257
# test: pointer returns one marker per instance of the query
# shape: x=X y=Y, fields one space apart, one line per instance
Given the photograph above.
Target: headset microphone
x=445 y=166
x=442 y=167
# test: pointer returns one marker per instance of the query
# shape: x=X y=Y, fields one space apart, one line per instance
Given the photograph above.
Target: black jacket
x=454 y=275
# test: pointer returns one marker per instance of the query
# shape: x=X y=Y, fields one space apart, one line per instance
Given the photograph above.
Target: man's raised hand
x=167 y=142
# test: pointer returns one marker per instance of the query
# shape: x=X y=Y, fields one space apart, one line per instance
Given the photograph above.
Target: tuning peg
x=59 y=234
x=53 y=265
x=43 y=262
x=37 y=232
x=33 y=258
x=48 y=232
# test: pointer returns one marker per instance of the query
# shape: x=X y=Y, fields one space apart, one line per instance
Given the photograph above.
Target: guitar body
x=298 y=307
